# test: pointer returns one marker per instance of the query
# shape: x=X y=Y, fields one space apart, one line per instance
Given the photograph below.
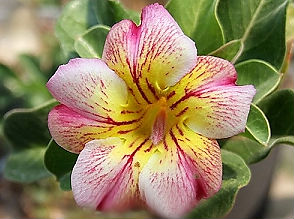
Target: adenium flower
x=145 y=117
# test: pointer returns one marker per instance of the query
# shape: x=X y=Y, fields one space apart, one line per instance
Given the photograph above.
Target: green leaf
x=257 y=125
x=227 y=51
x=289 y=140
x=91 y=43
x=118 y=12
x=260 y=74
x=250 y=150
x=6 y=72
x=60 y=163
x=279 y=109
x=289 y=37
x=65 y=182
x=236 y=175
x=76 y=18
x=27 y=128
x=290 y=22
x=8 y=100
x=26 y=166
x=198 y=21
x=109 y=12
x=31 y=65
x=259 y=24
x=11 y=90
x=34 y=80
x=80 y=15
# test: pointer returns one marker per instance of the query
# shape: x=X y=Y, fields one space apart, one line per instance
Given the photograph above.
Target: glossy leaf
x=26 y=166
x=76 y=18
x=91 y=43
x=236 y=175
x=80 y=15
x=289 y=140
x=252 y=151
x=259 y=24
x=260 y=74
x=60 y=163
x=198 y=21
x=279 y=109
x=257 y=125
x=27 y=128
x=227 y=51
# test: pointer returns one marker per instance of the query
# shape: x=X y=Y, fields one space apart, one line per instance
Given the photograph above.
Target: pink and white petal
x=72 y=131
x=191 y=176
x=216 y=112
x=224 y=111
x=102 y=180
x=205 y=155
x=154 y=55
x=209 y=101
x=209 y=72
x=89 y=87
x=168 y=190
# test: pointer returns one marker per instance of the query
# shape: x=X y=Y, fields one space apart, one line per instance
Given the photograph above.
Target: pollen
x=137 y=164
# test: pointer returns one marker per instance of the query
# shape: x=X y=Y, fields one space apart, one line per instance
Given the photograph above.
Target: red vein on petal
x=201 y=191
x=118 y=178
x=142 y=92
x=152 y=89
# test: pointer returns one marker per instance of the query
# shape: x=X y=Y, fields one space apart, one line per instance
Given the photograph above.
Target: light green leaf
x=236 y=175
x=250 y=150
x=91 y=43
x=290 y=22
x=76 y=18
x=31 y=65
x=227 y=51
x=34 y=80
x=260 y=74
x=80 y=15
x=27 y=128
x=26 y=166
x=6 y=72
x=259 y=24
x=289 y=37
x=60 y=163
x=198 y=21
x=257 y=125
x=289 y=140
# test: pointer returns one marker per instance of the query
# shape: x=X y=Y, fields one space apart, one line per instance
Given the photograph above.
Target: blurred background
x=30 y=51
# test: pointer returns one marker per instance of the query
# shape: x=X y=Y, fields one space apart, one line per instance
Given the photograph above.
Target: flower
x=144 y=118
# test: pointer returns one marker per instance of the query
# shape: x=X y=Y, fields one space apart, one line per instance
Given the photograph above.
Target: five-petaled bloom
x=145 y=116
